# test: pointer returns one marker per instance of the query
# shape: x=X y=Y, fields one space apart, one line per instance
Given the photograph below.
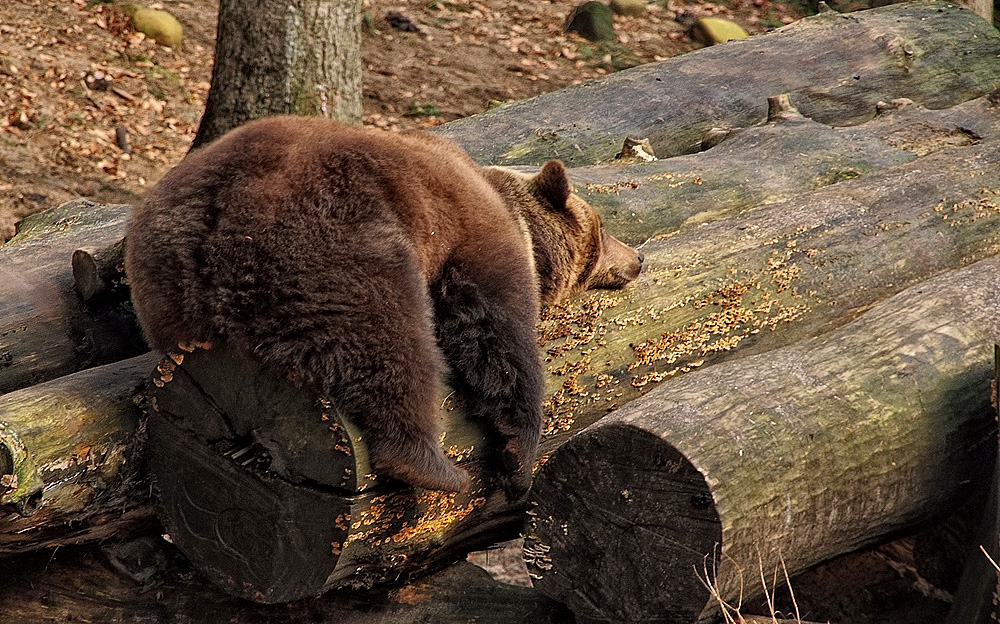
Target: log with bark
x=741 y=262
x=47 y=329
x=836 y=67
x=772 y=463
x=71 y=452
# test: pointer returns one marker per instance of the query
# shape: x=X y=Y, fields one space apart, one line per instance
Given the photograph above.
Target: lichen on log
x=75 y=451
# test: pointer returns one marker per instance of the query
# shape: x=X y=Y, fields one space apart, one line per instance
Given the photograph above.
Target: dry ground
x=71 y=74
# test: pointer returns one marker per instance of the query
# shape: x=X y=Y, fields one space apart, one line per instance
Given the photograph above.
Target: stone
x=629 y=8
x=593 y=21
x=713 y=30
x=158 y=25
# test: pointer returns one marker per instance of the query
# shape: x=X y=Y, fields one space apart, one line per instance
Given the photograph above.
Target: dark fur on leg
x=493 y=358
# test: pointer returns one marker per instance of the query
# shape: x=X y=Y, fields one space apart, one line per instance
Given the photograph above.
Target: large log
x=639 y=200
x=46 y=328
x=71 y=452
x=774 y=462
x=835 y=67
x=77 y=584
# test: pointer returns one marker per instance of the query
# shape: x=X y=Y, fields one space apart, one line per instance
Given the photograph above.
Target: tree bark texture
x=772 y=462
x=46 y=328
x=70 y=458
x=834 y=67
x=300 y=57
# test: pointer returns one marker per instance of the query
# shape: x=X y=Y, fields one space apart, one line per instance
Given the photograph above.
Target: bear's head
x=572 y=250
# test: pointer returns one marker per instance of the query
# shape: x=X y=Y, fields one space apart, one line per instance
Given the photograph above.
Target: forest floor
x=72 y=74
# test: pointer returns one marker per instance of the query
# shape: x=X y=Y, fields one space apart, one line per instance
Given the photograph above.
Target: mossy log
x=46 y=328
x=71 y=452
x=774 y=462
x=835 y=68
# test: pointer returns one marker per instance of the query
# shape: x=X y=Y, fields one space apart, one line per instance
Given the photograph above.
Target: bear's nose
x=641 y=257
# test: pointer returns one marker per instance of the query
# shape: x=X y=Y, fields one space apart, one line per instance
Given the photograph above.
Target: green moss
x=422 y=110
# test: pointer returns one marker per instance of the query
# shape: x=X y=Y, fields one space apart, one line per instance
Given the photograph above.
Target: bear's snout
x=641 y=256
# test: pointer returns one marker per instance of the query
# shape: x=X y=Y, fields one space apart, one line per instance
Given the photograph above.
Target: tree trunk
x=982 y=8
x=272 y=57
x=835 y=68
x=775 y=462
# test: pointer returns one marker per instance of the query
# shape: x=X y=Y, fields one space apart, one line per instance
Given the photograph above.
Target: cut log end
x=252 y=474
x=630 y=489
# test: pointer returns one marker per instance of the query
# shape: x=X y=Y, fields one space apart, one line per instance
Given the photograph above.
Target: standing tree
x=274 y=57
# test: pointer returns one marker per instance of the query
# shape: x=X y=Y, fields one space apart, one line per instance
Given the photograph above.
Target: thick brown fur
x=370 y=265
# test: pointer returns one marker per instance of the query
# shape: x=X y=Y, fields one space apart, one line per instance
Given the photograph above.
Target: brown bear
x=368 y=265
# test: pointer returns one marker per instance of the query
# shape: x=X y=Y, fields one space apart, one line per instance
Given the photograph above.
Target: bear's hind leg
x=375 y=357
x=395 y=402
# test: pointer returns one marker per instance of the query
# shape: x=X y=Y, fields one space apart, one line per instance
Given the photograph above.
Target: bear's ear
x=552 y=184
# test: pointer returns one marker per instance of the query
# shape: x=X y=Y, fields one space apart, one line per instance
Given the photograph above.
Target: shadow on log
x=77 y=584
x=774 y=462
x=976 y=600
